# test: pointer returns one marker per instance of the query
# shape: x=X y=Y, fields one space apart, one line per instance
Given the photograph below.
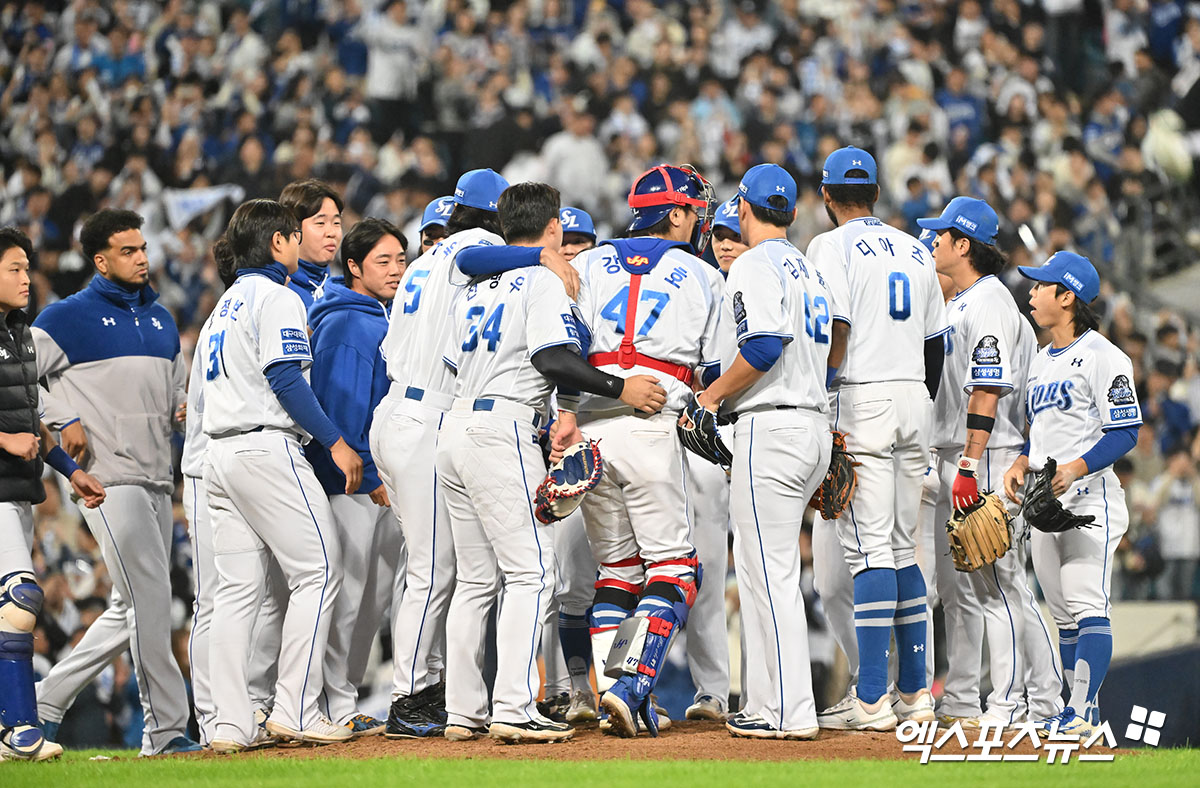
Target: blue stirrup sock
x=576 y=644
x=874 y=612
x=910 y=627
x=1092 y=655
x=1067 y=641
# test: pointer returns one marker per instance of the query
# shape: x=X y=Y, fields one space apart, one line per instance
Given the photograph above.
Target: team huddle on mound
x=381 y=440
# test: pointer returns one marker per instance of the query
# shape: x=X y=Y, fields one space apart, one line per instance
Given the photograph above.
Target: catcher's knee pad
x=20 y=602
x=675 y=583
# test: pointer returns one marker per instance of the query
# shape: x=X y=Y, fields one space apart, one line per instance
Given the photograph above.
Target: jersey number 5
x=412 y=290
x=216 y=355
x=491 y=328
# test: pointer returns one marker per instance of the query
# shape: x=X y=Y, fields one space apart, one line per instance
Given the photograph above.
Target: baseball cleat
x=364 y=725
x=555 y=707
x=321 y=732
x=851 y=714
x=465 y=732
x=180 y=745
x=27 y=743
x=1069 y=723
x=534 y=731
x=706 y=707
x=914 y=707
x=662 y=719
x=747 y=726
x=229 y=746
x=409 y=720
x=620 y=716
x=582 y=707
x=966 y=723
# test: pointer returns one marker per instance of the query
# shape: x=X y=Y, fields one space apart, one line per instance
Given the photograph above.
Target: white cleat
x=851 y=714
x=914 y=707
x=229 y=746
x=966 y=723
x=536 y=731
x=582 y=707
x=706 y=707
x=27 y=743
x=321 y=732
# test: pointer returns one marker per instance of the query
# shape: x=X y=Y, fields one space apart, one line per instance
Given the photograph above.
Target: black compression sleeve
x=935 y=357
x=567 y=369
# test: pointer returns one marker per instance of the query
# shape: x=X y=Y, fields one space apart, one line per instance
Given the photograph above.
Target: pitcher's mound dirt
x=685 y=740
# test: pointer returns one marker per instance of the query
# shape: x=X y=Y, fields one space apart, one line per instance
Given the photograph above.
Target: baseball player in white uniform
x=979 y=431
x=774 y=337
x=403 y=441
x=891 y=367
x=1083 y=412
x=264 y=499
x=566 y=641
x=204 y=570
x=652 y=307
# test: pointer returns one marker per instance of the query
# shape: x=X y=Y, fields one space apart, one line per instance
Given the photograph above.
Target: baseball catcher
x=560 y=493
x=700 y=436
x=837 y=488
x=1044 y=511
x=979 y=534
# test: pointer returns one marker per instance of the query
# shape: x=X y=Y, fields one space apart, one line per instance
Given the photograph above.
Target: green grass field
x=1145 y=770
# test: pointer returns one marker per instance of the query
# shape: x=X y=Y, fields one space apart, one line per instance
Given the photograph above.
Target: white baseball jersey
x=676 y=316
x=773 y=290
x=989 y=344
x=1075 y=393
x=255 y=324
x=421 y=320
x=194 y=439
x=498 y=325
x=893 y=299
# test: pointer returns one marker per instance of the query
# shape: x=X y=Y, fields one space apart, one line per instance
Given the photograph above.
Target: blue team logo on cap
x=577 y=220
x=437 y=212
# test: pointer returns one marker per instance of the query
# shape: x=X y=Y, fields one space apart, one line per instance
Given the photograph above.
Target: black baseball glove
x=1043 y=510
x=701 y=436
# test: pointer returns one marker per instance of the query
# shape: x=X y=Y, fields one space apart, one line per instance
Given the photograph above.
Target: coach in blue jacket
x=348 y=374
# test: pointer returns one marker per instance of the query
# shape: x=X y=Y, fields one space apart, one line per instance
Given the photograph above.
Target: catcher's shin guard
x=640 y=647
x=614 y=601
x=20 y=601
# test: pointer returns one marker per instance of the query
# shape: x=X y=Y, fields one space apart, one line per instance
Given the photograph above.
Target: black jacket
x=20 y=480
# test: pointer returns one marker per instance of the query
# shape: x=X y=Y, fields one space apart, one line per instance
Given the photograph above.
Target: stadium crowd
x=1079 y=120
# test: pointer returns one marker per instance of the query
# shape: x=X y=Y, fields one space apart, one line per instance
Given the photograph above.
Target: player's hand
x=349 y=463
x=379 y=497
x=965 y=491
x=181 y=414
x=25 y=445
x=563 y=270
x=1066 y=474
x=1014 y=477
x=90 y=491
x=74 y=441
x=642 y=392
x=566 y=438
x=707 y=401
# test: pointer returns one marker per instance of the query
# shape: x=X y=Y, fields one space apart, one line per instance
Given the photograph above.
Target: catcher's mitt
x=980 y=534
x=837 y=488
x=1043 y=510
x=561 y=492
x=701 y=436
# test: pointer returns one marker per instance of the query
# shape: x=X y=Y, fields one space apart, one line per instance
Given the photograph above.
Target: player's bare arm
x=74 y=441
x=89 y=490
x=981 y=419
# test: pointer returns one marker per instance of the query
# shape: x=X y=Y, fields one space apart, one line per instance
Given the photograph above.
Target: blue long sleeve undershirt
x=297 y=398
x=762 y=351
x=1112 y=446
x=492 y=260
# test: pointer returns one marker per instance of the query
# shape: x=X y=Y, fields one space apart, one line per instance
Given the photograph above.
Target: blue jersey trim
x=977 y=281
x=1059 y=351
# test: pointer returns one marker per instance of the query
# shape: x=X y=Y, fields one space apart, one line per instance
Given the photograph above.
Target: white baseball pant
x=265 y=501
x=134 y=528
x=16 y=537
x=204 y=571
x=490 y=465
x=779 y=458
x=371 y=548
x=706 y=636
x=404 y=442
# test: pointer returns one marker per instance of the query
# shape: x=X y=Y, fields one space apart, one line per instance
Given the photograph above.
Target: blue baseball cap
x=842 y=161
x=972 y=217
x=766 y=180
x=926 y=238
x=1072 y=271
x=577 y=220
x=437 y=212
x=479 y=189
x=727 y=216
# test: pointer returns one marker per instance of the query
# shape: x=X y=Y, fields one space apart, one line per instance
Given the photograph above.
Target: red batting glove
x=965 y=491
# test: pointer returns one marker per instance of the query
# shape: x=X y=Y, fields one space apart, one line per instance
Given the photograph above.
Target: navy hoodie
x=348 y=375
